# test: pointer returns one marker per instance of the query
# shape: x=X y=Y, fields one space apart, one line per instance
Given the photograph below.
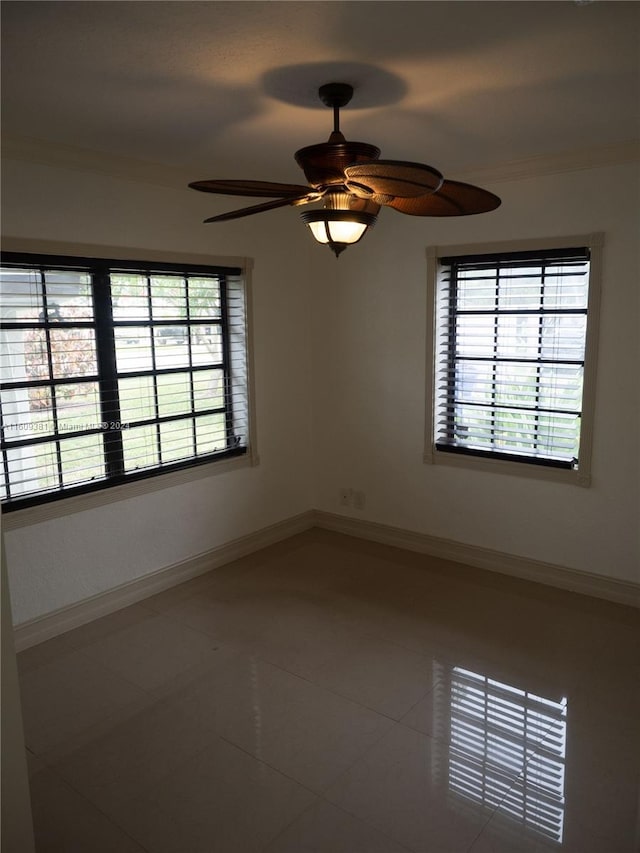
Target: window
x=113 y=371
x=514 y=339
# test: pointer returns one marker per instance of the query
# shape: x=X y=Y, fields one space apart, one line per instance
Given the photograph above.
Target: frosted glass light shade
x=338 y=228
x=337 y=232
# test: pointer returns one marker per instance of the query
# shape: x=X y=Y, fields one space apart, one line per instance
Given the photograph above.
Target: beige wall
x=17 y=830
x=340 y=367
x=369 y=373
x=59 y=562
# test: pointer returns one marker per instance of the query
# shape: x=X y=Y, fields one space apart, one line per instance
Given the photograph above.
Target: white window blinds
x=116 y=370
x=510 y=354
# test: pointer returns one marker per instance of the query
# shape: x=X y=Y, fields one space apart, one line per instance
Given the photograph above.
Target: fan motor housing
x=324 y=164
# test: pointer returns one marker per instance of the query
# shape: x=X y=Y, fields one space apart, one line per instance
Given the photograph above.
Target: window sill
x=80 y=503
x=502 y=466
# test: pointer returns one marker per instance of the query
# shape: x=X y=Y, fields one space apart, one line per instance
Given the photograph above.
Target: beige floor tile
x=364 y=609
x=238 y=620
x=424 y=717
x=379 y=675
x=301 y=642
x=601 y=772
x=402 y=787
x=169 y=597
x=209 y=717
x=221 y=801
x=241 y=699
x=322 y=738
x=153 y=651
x=255 y=571
x=323 y=828
x=302 y=730
x=125 y=755
x=480 y=706
x=78 y=638
x=67 y=695
x=64 y=822
x=34 y=764
x=504 y=835
x=252 y=611
x=220 y=580
x=43 y=653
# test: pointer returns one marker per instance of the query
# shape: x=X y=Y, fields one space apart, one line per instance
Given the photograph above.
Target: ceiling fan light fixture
x=353 y=183
x=338 y=228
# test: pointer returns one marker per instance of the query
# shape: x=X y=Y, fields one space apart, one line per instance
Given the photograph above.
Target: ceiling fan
x=353 y=184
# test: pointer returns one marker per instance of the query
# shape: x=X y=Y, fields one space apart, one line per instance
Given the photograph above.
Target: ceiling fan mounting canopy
x=354 y=172
x=335 y=95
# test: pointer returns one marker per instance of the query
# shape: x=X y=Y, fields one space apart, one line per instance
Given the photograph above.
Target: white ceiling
x=228 y=89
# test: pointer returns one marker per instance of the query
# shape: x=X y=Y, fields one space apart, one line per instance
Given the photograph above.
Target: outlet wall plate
x=358 y=500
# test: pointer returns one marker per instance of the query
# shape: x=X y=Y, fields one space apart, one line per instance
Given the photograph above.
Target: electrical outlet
x=358 y=500
x=344 y=497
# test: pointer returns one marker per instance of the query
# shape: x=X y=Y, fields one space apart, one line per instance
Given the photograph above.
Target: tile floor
x=336 y=696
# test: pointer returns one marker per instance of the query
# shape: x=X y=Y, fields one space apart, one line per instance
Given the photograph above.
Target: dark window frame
x=104 y=326
x=581 y=475
x=498 y=262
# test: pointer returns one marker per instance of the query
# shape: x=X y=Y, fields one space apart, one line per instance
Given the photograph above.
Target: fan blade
x=452 y=199
x=393 y=178
x=259 y=208
x=257 y=189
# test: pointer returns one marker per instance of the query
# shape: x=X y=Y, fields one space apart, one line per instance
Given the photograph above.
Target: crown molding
x=553 y=164
x=46 y=153
x=30 y=150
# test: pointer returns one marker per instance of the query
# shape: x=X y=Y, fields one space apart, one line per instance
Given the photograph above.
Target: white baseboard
x=58 y=621
x=585 y=583
x=52 y=624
